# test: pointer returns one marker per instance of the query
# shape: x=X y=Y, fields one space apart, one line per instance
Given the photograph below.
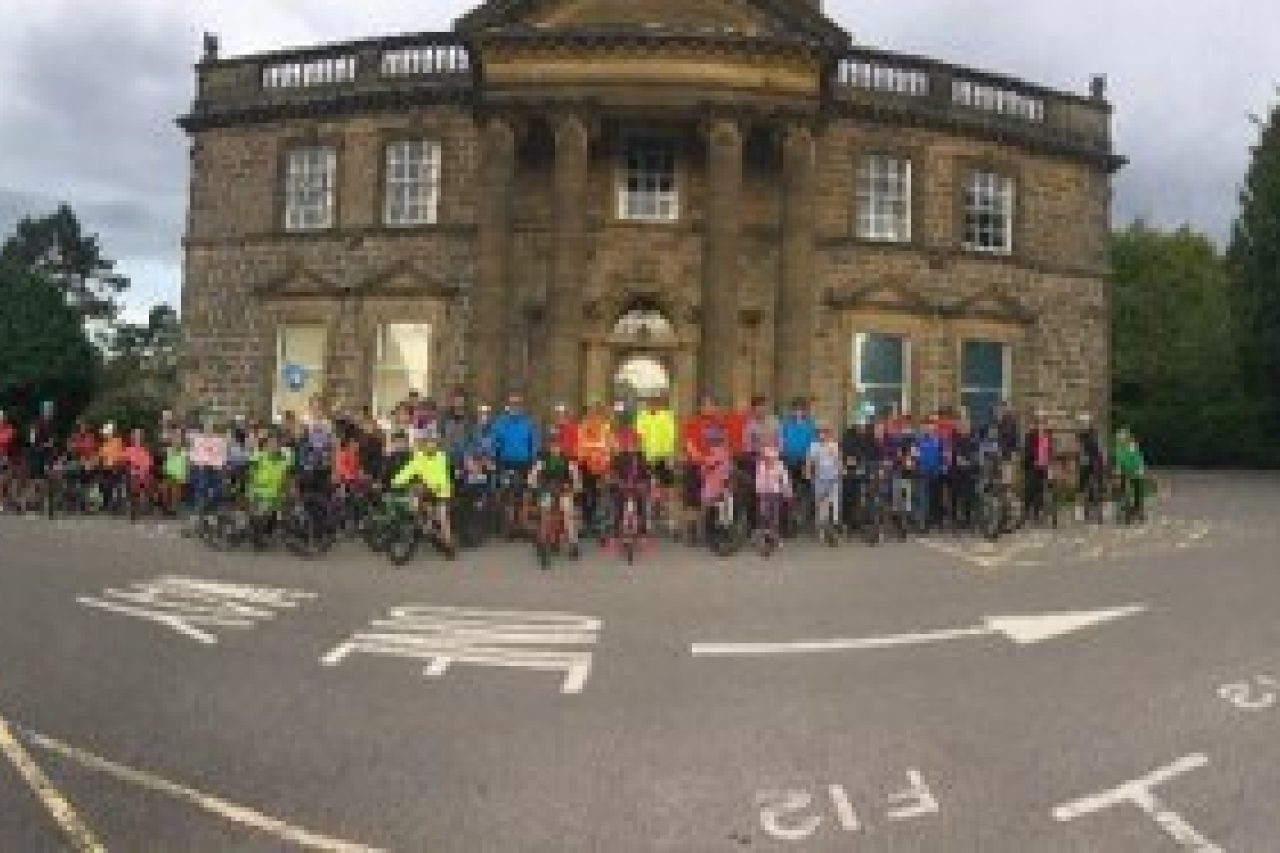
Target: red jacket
x=566 y=433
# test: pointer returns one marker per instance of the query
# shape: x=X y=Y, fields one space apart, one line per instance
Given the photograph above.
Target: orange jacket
x=595 y=444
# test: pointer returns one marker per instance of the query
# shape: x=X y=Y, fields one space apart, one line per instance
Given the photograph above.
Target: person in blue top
x=930 y=467
x=798 y=433
x=515 y=438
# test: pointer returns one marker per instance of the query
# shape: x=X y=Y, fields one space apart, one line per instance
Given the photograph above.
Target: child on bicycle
x=632 y=479
x=773 y=490
x=429 y=468
x=556 y=477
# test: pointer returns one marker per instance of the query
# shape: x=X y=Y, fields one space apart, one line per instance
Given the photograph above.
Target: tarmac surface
x=1093 y=688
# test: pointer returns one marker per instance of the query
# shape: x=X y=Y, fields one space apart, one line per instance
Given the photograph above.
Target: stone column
x=488 y=333
x=796 y=312
x=721 y=259
x=568 y=267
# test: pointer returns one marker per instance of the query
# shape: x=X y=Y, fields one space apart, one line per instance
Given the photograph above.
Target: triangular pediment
x=753 y=18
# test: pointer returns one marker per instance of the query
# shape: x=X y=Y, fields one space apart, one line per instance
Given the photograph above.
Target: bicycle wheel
x=402 y=543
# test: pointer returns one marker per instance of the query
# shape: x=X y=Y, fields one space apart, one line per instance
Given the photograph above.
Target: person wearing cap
x=429 y=468
x=596 y=445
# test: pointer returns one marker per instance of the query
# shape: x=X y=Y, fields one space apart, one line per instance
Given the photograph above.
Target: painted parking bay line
x=1021 y=630
x=76 y=830
x=241 y=815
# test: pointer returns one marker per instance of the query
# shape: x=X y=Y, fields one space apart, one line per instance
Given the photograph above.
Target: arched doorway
x=641 y=368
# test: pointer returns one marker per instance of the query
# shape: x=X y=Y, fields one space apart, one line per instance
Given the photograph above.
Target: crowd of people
x=789 y=469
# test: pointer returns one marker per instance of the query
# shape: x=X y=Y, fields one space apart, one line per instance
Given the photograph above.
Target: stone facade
x=528 y=265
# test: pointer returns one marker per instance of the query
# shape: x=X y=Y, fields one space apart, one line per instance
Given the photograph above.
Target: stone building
x=579 y=198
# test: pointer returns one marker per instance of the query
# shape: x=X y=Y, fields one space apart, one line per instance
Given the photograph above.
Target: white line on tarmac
x=223 y=809
x=79 y=834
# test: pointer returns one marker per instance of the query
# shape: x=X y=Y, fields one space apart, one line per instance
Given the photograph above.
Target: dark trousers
x=1037 y=482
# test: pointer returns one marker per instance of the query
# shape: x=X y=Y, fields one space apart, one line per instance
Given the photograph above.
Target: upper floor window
x=884 y=198
x=648 y=191
x=988 y=213
x=413 y=183
x=310 y=186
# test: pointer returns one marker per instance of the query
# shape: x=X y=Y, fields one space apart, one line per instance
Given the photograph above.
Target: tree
x=57 y=246
x=140 y=377
x=44 y=351
x=1254 y=256
x=1176 y=370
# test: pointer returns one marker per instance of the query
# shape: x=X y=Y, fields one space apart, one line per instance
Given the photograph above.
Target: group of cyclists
x=620 y=472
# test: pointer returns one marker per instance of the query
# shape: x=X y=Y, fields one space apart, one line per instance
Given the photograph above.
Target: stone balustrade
x=923 y=90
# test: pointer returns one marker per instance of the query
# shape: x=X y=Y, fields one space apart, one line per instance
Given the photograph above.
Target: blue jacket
x=515 y=439
x=930 y=450
x=798 y=435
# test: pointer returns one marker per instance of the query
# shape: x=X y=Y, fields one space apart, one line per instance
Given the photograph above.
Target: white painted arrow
x=1023 y=630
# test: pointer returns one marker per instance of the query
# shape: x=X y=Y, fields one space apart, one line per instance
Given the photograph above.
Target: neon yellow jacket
x=429 y=469
x=657 y=435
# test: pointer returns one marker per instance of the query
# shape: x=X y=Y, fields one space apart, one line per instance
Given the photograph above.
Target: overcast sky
x=89 y=92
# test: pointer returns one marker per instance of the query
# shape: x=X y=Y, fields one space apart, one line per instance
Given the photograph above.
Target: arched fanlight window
x=644 y=322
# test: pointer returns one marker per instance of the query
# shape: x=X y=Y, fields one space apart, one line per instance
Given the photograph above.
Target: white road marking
x=915 y=801
x=76 y=830
x=1023 y=630
x=443 y=636
x=1140 y=793
x=189 y=605
x=1258 y=694
x=229 y=811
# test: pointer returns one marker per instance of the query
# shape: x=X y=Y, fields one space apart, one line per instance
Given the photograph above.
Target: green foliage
x=142 y=366
x=44 y=351
x=1254 y=258
x=57 y=246
x=1176 y=373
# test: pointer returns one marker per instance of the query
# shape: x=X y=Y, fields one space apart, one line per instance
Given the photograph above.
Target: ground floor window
x=985 y=379
x=299 y=367
x=882 y=372
x=402 y=364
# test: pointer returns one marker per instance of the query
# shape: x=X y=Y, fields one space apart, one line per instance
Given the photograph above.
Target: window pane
x=403 y=364
x=981 y=406
x=983 y=365
x=887 y=401
x=648 y=184
x=882 y=360
x=299 y=367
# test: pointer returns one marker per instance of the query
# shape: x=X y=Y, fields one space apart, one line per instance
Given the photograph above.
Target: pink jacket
x=772 y=478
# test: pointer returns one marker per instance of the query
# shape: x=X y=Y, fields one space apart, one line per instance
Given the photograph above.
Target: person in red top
x=8 y=459
x=564 y=429
x=346 y=463
x=138 y=462
x=734 y=423
x=83 y=445
x=695 y=438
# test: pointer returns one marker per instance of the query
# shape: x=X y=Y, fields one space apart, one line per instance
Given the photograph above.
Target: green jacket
x=268 y=474
x=1130 y=461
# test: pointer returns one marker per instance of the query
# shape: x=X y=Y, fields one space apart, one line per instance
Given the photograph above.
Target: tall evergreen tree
x=1254 y=258
x=57 y=247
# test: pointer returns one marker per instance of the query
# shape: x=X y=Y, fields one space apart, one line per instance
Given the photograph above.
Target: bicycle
x=415 y=520
x=725 y=524
x=551 y=527
x=826 y=511
x=629 y=527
